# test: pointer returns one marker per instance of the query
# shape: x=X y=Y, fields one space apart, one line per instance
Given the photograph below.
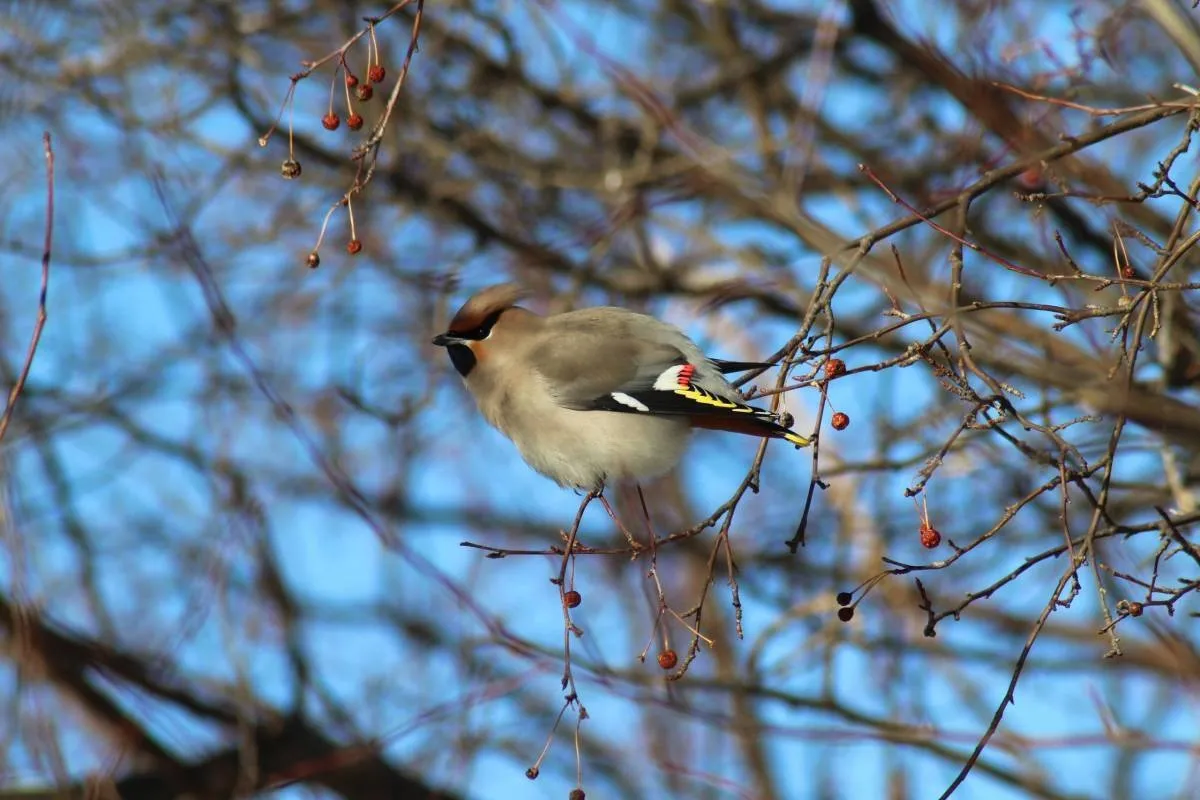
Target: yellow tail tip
x=797 y=439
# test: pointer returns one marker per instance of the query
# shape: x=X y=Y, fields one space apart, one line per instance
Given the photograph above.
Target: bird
x=598 y=394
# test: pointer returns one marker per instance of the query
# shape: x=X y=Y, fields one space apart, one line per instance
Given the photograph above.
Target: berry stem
x=349 y=104
x=291 y=127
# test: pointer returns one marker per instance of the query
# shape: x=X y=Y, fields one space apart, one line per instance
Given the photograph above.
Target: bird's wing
x=643 y=376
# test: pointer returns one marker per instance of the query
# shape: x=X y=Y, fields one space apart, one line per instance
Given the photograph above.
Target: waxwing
x=597 y=394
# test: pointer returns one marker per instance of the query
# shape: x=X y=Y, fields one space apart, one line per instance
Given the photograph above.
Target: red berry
x=354 y=247
x=331 y=121
x=354 y=121
x=930 y=538
x=835 y=367
x=667 y=659
x=364 y=92
x=314 y=260
x=572 y=599
x=1136 y=609
x=840 y=421
x=377 y=73
x=351 y=80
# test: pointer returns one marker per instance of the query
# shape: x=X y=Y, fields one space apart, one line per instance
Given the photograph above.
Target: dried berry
x=532 y=773
x=572 y=599
x=290 y=169
x=930 y=538
x=846 y=614
x=354 y=247
x=576 y=794
x=1135 y=609
x=354 y=121
x=351 y=80
x=331 y=121
x=364 y=92
x=835 y=367
x=667 y=659
x=844 y=598
x=1128 y=273
x=314 y=260
x=840 y=421
x=377 y=73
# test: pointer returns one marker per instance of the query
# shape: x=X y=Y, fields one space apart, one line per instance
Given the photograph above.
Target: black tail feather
x=727 y=367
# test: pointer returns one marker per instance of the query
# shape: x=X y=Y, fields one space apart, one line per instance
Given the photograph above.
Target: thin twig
x=40 y=324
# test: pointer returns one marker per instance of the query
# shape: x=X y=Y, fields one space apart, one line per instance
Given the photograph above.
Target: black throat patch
x=462 y=358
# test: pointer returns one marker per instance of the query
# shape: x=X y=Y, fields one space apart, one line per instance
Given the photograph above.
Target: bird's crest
x=485 y=304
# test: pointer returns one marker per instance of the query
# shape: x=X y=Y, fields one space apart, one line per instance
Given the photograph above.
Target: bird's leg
x=653 y=573
x=646 y=519
x=637 y=548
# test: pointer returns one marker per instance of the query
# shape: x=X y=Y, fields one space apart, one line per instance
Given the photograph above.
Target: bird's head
x=473 y=325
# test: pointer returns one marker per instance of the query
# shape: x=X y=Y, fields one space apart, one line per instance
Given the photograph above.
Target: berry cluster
x=845 y=611
x=836 y=368
x=363 y=90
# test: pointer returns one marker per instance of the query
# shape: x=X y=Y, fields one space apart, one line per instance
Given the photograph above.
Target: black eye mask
x=480 y=332
x=460 y=355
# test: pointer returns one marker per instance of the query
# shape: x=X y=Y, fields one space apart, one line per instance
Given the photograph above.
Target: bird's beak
x=445 y=340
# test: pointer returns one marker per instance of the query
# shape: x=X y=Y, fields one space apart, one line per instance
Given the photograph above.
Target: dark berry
x=354 y=121
x=314 y=260
x=846 y=614
x=290 y=169
x=531 y=773
x=844 y=598
x=364 y=92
